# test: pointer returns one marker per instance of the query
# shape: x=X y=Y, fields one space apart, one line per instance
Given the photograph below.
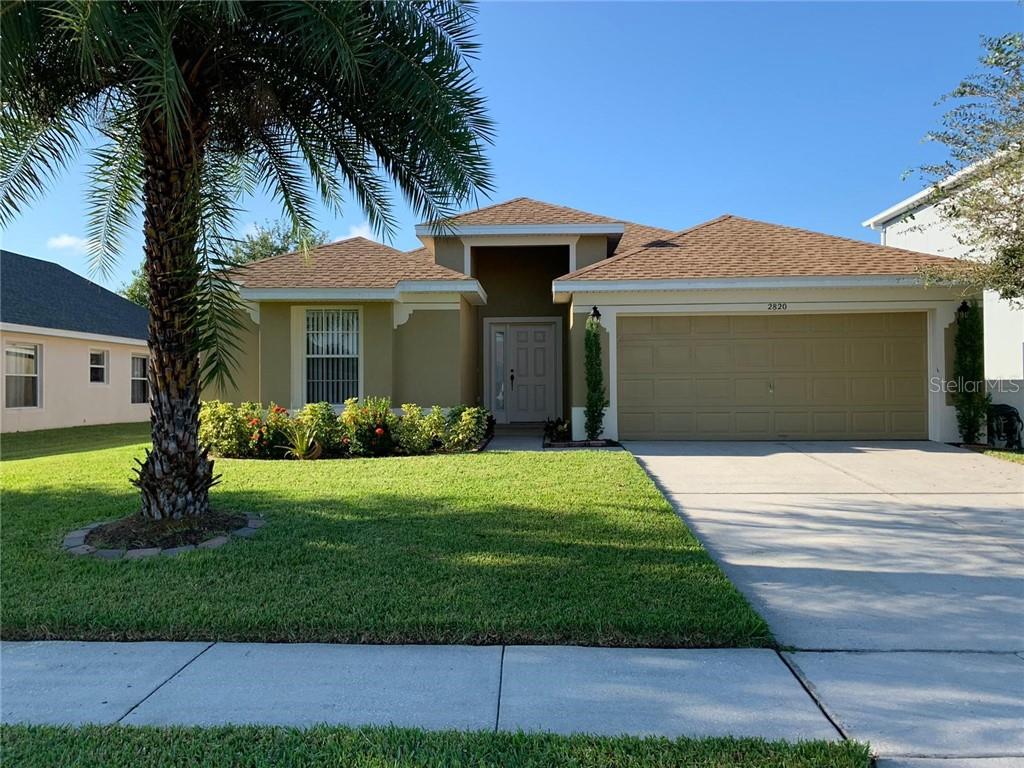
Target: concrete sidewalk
x=745 y=692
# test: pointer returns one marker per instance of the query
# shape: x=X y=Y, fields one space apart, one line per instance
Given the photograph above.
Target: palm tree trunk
x=176 y=476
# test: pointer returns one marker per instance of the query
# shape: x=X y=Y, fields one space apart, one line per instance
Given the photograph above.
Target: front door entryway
x=523 y=379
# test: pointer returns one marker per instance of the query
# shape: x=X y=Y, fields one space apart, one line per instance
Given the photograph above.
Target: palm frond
x=34 y=151
x=114 y=195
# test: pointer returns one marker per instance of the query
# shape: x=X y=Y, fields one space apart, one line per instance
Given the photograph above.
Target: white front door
x=524 y=380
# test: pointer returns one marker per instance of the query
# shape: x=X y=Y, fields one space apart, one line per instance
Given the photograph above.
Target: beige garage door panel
x=766 y=377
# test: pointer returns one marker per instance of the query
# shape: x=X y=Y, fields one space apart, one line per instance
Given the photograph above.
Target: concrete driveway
x=884 y=546
x=895 y=569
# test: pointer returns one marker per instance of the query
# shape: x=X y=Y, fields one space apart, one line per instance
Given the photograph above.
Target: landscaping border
x=74 y=542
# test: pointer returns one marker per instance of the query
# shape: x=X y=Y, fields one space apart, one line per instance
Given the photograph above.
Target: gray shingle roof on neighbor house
x=46 y=295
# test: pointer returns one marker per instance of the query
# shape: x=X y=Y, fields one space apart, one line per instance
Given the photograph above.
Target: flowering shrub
x=370 y=428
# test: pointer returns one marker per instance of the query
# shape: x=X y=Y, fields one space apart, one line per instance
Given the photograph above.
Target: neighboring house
x=917 y=224
x=733 y=329
x=74 y=353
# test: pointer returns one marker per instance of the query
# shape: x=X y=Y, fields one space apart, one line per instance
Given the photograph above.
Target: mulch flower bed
x=133 y=537
x=580 y=444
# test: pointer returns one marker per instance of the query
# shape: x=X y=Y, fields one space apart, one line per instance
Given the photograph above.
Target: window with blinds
x=332 y=355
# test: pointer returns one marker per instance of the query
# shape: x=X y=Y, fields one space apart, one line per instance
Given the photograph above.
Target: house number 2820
x=777 y=307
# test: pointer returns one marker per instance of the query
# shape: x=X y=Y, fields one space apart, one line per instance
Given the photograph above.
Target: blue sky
x=673 y=113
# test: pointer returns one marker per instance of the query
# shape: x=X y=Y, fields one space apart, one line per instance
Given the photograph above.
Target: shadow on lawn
x=382 y=567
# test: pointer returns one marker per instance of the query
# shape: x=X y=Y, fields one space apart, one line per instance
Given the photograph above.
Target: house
x=732 y=329
x=74 y=353
x=916 y=223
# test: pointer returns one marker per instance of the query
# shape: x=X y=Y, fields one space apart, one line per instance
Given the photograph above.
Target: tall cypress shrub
x=597 y=400
x=970 y=397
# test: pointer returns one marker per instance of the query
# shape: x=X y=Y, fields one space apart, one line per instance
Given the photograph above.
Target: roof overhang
x=563 y=289
x=457 y=230
x=470 y=289
x=38 y=330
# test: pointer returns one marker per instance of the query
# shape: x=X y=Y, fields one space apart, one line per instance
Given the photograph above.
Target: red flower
x=345 y=441
x=379 y=431
x=254 y=421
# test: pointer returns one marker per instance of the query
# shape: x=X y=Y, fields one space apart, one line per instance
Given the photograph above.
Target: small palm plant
x=196 y=105
x=303 y=442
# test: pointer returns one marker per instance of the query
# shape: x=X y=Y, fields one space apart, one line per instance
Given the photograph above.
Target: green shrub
x=435 y=424
x=223 y=429
x=326 y=426
x=369 y=426
x=597 y=398
x=970 y=398
x=466 y=428
x=412 y=434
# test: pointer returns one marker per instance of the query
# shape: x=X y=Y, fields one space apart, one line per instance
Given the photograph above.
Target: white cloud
x=358 y=230
x=66 y=242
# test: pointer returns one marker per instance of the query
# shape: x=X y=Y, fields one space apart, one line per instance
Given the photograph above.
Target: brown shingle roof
x=733 y=247
x=353 y=263
x=638 y=235
x=524 y=210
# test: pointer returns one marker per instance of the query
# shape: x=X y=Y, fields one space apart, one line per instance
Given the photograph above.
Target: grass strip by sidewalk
x=259 y=747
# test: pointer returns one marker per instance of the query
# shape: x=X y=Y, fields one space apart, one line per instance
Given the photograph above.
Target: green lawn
x=120 y=747
x=50 y=442
x=568 y=547
x=1017 y=457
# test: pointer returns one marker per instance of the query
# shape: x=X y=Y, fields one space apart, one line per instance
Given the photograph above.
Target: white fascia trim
x=879 y=220
x=65 y=334
x=471 y=287
x=433 y=230
x=564 y=287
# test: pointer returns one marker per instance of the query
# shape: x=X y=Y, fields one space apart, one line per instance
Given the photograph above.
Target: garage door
x=768 y=377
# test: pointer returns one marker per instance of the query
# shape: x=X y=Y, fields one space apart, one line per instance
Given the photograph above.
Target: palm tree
x=196 y=104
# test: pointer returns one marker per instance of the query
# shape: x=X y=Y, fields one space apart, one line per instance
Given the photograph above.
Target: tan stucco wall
x=591 y=249
x=275 y=353
x=470 y=354
x=450 y=252
x=378 y=350
x=265 y=367
x=246 y=385
x=427 y=359
x=68 y=398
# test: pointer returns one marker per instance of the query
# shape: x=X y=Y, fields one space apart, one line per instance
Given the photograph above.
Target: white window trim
x=38 y=374
x=132 y=378
x=106 y=367
x=298 y=349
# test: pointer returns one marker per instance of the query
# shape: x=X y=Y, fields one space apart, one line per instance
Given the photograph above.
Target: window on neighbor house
x=140 y=379
x=98 y=359
x=332 y=355
x=21 y=375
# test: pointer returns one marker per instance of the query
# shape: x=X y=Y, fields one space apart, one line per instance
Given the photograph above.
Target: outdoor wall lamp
x=962 y=311
x=594 y=313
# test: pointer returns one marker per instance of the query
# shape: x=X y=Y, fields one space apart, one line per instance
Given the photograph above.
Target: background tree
x=265 y=241
x=979 y=190
x=197 y=104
